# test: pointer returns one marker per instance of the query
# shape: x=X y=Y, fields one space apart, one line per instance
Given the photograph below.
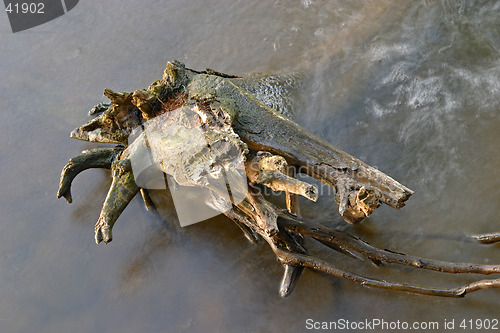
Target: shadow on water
x=409 y=87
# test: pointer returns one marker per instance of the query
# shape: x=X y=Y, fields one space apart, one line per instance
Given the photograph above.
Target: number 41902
x=25 y=8
x=479 y=324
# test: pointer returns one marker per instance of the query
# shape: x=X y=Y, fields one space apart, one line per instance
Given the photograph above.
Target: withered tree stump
x=242 y=136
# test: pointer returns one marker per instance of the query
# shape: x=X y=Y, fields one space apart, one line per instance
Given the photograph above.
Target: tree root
x=290 y=258
x=274 y=148
x=292 y=254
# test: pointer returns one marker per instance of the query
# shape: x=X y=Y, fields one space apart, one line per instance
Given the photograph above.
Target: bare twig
x=487 y=238
x=351 y=243
x=321 y=265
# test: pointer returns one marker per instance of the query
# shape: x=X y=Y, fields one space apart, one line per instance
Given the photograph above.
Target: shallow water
x=410 y=87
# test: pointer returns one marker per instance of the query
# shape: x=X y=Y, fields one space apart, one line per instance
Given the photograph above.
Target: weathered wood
x=359 y=187
x=273 y=147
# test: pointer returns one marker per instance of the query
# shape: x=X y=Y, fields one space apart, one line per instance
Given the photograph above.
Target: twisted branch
x=286 y=241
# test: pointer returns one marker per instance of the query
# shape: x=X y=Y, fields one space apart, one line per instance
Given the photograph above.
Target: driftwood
x=273 y=149
x=488 y=238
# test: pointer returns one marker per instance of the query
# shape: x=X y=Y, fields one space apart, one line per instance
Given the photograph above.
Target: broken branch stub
x=359 y=187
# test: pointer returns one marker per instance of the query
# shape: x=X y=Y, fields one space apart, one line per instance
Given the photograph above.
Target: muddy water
x=411 y=87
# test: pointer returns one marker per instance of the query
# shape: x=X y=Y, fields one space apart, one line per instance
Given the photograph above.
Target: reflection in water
x=410 y=87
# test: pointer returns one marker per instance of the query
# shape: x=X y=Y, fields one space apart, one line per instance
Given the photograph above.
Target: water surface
x=410 y=87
